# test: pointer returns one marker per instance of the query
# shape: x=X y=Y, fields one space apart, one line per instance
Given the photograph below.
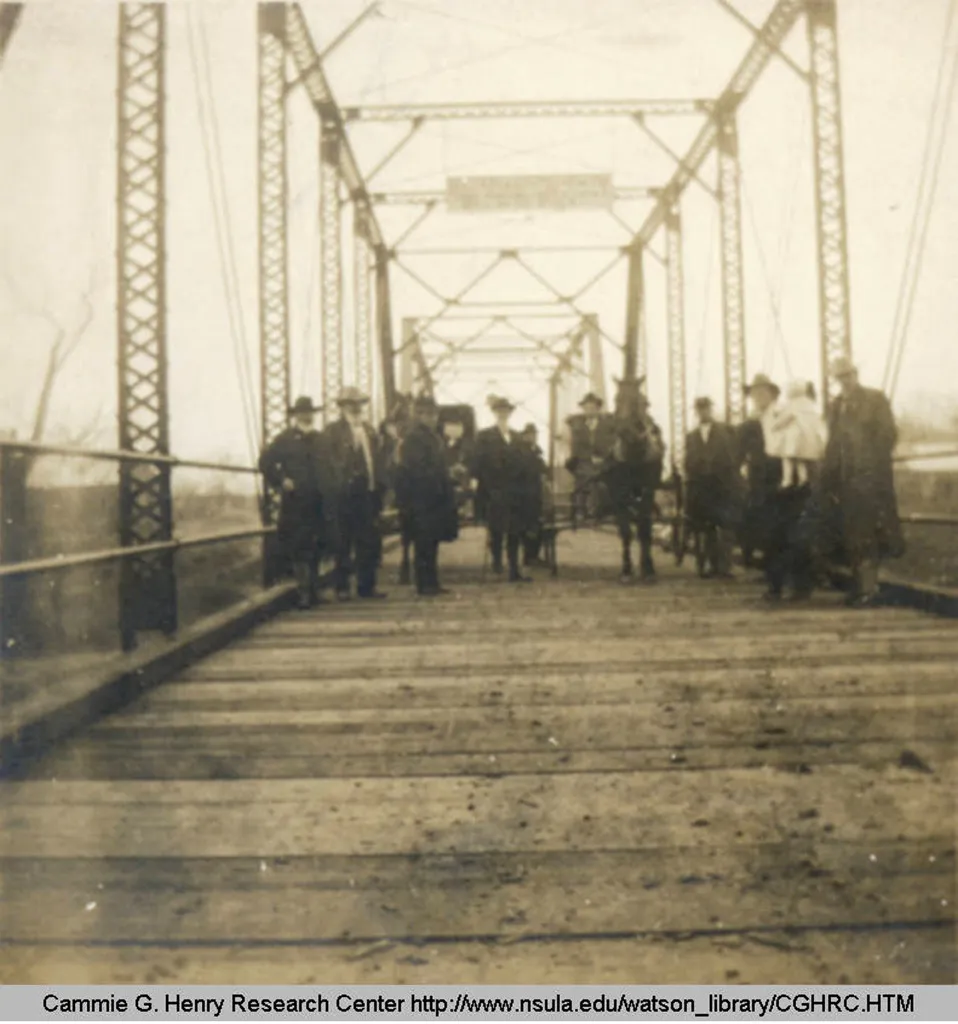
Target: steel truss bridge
x=517 y=786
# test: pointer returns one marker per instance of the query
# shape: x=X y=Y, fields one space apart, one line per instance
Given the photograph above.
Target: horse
x=632 y=472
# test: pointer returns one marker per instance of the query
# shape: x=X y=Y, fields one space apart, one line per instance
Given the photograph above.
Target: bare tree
x=63 y=344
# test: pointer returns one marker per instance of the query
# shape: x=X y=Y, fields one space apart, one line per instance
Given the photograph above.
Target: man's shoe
x=373 y=595
x=343 y=595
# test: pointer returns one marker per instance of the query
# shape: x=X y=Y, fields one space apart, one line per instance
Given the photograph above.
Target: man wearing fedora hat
x=858 y=482
x=357 y=472
x=293 y=465
x=589 y=441
x=712 y=476
x=763 y=473
x=497 y=467
x=425 y=493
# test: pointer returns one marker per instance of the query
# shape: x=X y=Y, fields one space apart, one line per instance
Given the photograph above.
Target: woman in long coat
x=858 y=482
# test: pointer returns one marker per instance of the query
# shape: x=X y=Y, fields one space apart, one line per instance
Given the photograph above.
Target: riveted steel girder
x=148 y=582
x=273 y=215
x=829 y=188
x=331 y=284
x=676 y=328
x=733 y=290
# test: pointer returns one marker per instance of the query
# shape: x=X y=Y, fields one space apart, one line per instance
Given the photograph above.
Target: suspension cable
x=930 y=173
x=225 y=279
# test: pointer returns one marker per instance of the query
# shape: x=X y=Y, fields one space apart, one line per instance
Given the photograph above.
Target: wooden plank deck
x=570 y=781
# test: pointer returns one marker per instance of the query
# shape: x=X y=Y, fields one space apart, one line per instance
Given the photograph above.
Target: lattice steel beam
x=773 y=32
x=330 y=232
x=384 y=327
x=634 y=356
x=829 y=189
x=148 y=583
x=362 y=294
x=273 y=207
x=676 y=322
x=507 y=110
x=733 y=289
x=590 y=325
x=309 y=67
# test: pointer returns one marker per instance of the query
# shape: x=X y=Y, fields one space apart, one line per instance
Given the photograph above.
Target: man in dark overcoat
x=357 y=473
x=858 y=482
x=293 y=465
x=763 y=473
x=497 y=466
x=712 y=475
x=591 y=436
x=532 y=485
x=426 y=493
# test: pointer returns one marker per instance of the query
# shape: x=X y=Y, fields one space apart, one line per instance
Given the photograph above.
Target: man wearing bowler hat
x=293 y=465
x=590 y=440
x=357 y=471
x=498 y=468
x=425 y=491
x=858 y=481
x=711 y=473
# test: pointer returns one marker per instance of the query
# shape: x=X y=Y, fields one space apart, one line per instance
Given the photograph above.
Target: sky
x=57 y=180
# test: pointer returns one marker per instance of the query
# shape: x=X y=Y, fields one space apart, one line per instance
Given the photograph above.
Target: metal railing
x=918 y=518
x=17 y=459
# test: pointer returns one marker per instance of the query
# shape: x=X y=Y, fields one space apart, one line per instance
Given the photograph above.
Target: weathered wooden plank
x=557 y=688
x=464 y=815
x=95 y=759
x=904 y=956
x=456 y=897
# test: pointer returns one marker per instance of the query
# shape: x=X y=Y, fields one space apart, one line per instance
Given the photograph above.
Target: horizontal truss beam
x=626 y=193
x=519 y=109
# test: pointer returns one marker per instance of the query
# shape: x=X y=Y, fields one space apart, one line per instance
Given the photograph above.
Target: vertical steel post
x=9 y=16
x=596 y=360
x=833 y=286
x=330 y=227
x=733 y=291
x=676 y=321
x=407 y=356
x=148 y=582
x=362 y=294
x=273 y=265
x=635 y=356
x=14 y=590
x=384 y=329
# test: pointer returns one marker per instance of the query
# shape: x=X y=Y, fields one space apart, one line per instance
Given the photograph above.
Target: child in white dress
x=797 y=434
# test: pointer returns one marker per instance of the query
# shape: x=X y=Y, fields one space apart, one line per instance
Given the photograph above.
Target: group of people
x=333 y=485
x=801 y=492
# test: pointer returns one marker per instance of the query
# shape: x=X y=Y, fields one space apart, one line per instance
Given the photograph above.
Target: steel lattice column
x=733 y=292
x=148 y=582
x=273 y=206
x=384 y=329
x=407 y=356
x=676 y=321
x=635 y=356
x=363 y=299
x=330 y=226
x=829 y=187
x=596 y=362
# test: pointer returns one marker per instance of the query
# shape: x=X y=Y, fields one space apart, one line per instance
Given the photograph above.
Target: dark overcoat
x=589 y=445
x=425 y=491
x=502 y=472
x=712 y=477
x=763 y=475
x=860 y=508
x=341 y=463
x=299 y=456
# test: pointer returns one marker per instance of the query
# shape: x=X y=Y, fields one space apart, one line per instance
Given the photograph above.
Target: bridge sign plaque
x=529 y=192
